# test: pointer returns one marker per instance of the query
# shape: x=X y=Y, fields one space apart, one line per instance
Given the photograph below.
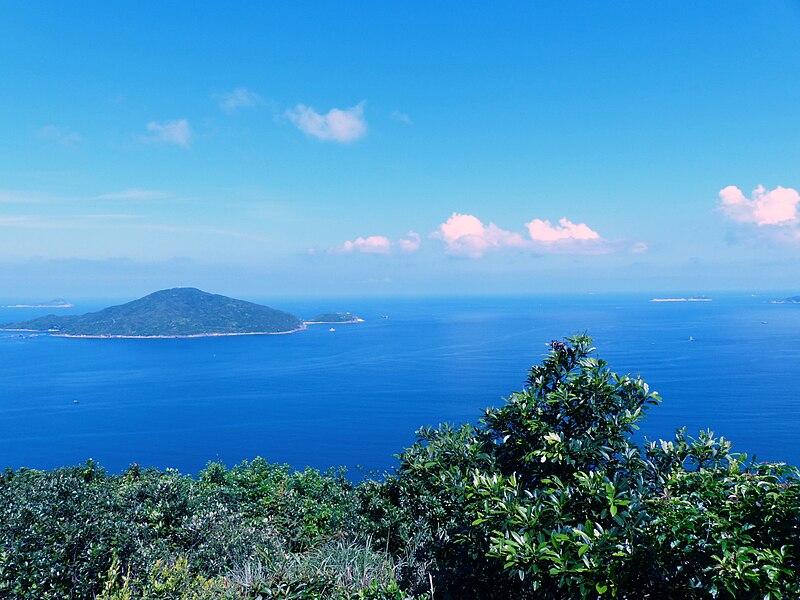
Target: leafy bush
x=549 y=497
x=724 y=526
x=69 y=532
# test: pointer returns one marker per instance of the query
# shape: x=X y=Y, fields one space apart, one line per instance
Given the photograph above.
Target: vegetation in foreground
x=546 y=497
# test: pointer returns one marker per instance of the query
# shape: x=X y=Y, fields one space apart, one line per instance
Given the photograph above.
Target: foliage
x=723 y=524
x=547 y=496
x=78 y=532
x=550 y=497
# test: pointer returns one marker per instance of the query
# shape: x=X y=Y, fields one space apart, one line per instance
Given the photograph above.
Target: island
x=789 y=300
x=57 y=303
x=335 y=317
x=691 y=299
x=176 y=312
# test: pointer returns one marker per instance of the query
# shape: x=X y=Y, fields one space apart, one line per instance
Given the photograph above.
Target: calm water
x=355 y=397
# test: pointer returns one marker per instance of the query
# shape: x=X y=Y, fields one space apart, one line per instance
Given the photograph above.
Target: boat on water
x=331 y=329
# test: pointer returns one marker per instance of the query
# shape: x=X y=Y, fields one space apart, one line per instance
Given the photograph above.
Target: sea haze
x=355 y=397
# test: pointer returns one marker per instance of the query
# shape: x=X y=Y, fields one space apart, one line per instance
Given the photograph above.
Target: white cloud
x=466 y=235
x=61 y=136
x=410 y=243
x=132 y=194
x=764 y=207
x=170 y=132
x=336 y=125
x=238 y=98
x=544 y=231
x=377 y=244
x=374 y=244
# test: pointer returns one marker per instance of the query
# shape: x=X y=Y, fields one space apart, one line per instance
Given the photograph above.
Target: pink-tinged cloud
x=466 y=235
x=544 y=231
x=410 y=243
x=374 y=244
x=764 y=207
x=336 y=125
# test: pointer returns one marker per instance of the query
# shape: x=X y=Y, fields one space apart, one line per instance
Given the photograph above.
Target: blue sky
x=288 y=149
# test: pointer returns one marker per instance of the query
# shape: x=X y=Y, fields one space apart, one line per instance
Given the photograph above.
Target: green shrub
x=550 y=497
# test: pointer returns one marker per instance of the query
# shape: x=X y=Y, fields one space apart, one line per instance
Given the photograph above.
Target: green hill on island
x=167 y=313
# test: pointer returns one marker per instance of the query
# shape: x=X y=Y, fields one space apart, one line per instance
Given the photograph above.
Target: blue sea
x=356 y=396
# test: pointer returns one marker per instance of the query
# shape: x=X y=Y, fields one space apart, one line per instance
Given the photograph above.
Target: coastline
x=191 y=335
x=157 y=337
x=359 y=320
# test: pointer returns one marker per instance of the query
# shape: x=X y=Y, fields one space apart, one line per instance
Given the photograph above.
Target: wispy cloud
x=59 y=135
x=217 y=231
x=19 y=197
x=239 y=98
x=402 y=117
x=132 y=194
x=30 y=222
x=467 y=236
x=111 y=217
x=169 y=132
x=764 y=207
x=62 y=223
x=336 y=125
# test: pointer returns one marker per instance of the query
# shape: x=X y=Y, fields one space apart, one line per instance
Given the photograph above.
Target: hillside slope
x=172 y=312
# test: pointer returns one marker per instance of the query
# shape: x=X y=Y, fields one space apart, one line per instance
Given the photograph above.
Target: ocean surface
x=356 y=396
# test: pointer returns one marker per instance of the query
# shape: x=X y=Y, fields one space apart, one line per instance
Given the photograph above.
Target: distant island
x=57 y=303
x=177 y=312
x=336 y=317
x=789 y=300
x=691 y=299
